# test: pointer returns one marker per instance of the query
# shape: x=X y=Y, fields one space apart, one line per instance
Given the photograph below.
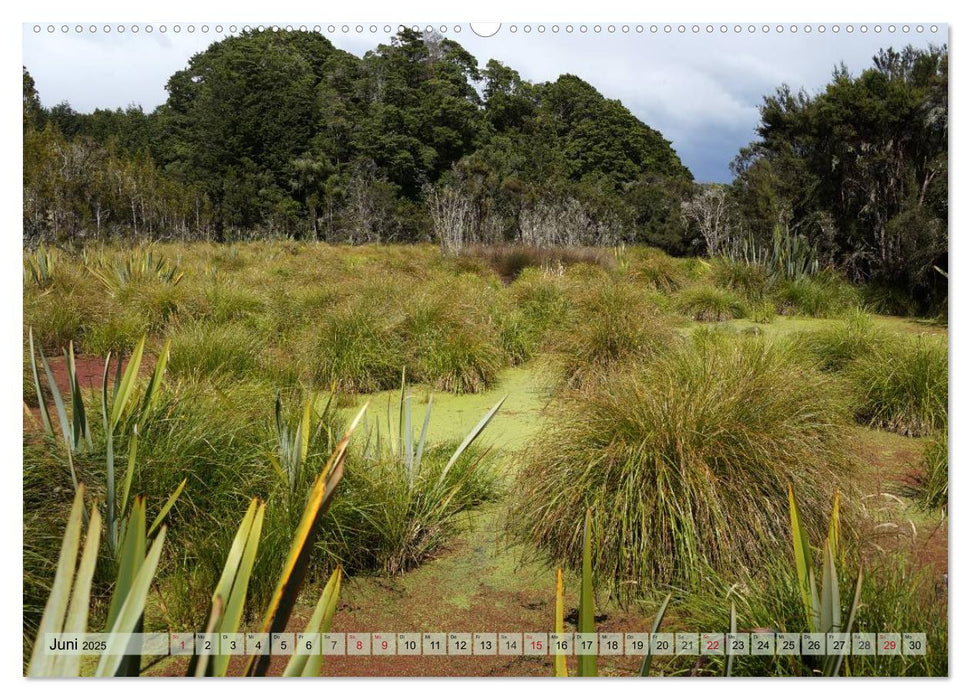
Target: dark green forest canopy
x=281 y=130
x=275 y=133
x=860 y=170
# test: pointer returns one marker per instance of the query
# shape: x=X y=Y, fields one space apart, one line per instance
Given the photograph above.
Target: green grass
x=354 y=349
x=902 y=385
x=535 y=305
x=450 y=345
x=656 y=270
x=686 y=460
x=680 y=438
x=751 y=282
x=383 y=522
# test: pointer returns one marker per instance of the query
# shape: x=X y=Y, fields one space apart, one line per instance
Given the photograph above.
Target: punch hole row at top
x=487 y=30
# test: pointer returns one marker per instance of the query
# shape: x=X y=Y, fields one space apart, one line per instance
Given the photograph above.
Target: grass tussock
x=450 y=342
x=836 y=346
x=685 y=462
x=385 y=521
x=825 y=294
x=749 y=281
x=611 y=324
x=207 y=350
x=930 y=483
x=902 y=385
x=710 y=304
x=656 y=270
x=355 y=349
x=536 y=304
x=894 y=595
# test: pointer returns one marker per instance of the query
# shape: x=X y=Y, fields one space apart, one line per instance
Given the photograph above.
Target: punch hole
x=485 y=29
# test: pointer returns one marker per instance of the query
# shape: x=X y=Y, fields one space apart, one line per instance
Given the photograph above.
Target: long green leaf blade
x=559 y=662
x=587 y=664
x=658 y=619
x=52 y=620
x=470 y=438
x=130 y=615
x=41 y=400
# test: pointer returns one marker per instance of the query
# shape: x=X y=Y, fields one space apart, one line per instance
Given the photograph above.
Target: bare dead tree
x=451 y=212
x=565 y=223
x=710 y=212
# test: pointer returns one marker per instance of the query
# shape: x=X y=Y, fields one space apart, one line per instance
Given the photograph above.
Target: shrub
x=686 y=462
x=614 y=323
x=710 y=304
x=892 y=301
x=901 y=385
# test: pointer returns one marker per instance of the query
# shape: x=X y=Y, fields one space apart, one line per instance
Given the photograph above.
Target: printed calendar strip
x=496 y=643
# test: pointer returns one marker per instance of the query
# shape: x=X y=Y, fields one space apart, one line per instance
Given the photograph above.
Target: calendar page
x=415 y=348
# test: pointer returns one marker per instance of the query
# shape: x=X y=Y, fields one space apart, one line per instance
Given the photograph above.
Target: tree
x=866 y=154
x=710 y=213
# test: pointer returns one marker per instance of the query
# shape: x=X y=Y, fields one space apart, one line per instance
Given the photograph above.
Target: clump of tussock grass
x=150 y=300
x=384 y=522
x=115 y=332
x=835 y=346
x=220 y=442
x=685 y=462
x=762 y=312
x=901 y=385
x=656 y=270
x=531 y=308
x=613 y=323
x=354 y=348
x=215 y=350
x=929 y=485
x=749 y=281
x=825 y=294
x=225 y=302
x=451 y=344
x=66 y=308
x=710 y=304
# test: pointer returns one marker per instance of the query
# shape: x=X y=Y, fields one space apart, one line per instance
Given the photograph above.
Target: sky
x=701 y=91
